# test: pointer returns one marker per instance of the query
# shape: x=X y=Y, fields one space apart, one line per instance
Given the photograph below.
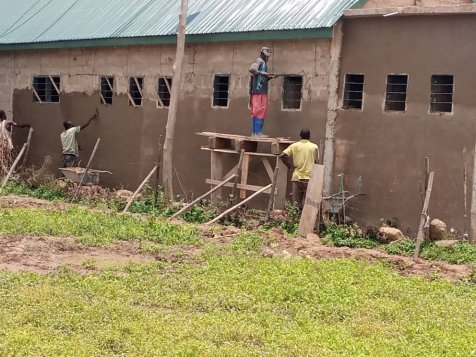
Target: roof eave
x=412 y=11
x=320 y=33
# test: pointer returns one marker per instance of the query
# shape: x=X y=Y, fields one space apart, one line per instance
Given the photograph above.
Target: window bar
x=54 y=85
x=131 y=100
x=161 y=103
x=139 y=88
x=37 y=96
x=102 y=98
x=109 y=84
x=168 y=85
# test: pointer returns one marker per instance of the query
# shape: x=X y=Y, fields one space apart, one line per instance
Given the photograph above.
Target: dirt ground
x=48 y=254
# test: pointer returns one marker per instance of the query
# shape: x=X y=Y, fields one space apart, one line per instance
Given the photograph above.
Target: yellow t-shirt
x=303 y=154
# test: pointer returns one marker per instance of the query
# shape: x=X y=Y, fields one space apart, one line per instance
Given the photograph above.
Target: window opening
x=221 y=87
x=107 y=89
x=353 y=91
x=292 y=92
x=46 y=89
x=135 y=91
x=441 y=97
x=396 y=95
x=164 y=90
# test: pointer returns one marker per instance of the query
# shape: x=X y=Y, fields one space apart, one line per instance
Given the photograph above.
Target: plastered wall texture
x=129 y=136
x=382 y=153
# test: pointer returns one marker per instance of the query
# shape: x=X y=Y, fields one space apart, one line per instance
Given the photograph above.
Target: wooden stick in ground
x=240 y=204
x=273 y=190
x=427 y=171
x=27 y=150
x=86 y=169
x=424 y=216
x=12 y=168
x=203 y=196
x=141 y=186
x=238 y=172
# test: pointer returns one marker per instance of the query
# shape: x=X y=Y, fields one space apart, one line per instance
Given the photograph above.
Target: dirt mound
x=30 y=202
x=404 y=265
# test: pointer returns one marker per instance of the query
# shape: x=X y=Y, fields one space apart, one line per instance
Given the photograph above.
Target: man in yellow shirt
x=304 y=155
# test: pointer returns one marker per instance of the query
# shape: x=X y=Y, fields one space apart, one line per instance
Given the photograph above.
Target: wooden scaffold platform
x=225 y=148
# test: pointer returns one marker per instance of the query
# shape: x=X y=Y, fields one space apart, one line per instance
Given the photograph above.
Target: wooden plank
x=141 y=186
x=473 y=200
x=216 y=174
x=278 y=147
x=12 y=168
x=238 y=172
x=272 y=195
x=228 y=211
x=28 y=144
x=88 y=166
x=313 y=200
x=281 y=184
x=248 y=138
x=202 y=197
x=244 y=173
x=424 y=216
x=252 y=188
x=268 y=168
x=219 y=143
x=225 y=151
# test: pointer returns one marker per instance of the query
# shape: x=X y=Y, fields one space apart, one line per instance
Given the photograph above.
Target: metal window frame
x=394 y=101
x=228 y=75
x=344 y=91
x=452 y=94
x=139 y=88
x=282 y=93
x=53 y=84
x=111 y=87
x=160 y=103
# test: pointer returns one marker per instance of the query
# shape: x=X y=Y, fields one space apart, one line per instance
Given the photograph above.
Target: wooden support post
x=427 y=171
x=473 y=200
x=313 y=200
x=244 y=174
x=238 y=171
x=424 y=216
x=281 y=184
x=132 y=198
x=272 y=195
x=228 y=211
x=216 y=173
x=202 y=197
x=86 y=169
x=12 y=168
x=27 y=150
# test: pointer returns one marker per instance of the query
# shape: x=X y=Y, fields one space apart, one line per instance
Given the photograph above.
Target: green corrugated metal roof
x=46 y=21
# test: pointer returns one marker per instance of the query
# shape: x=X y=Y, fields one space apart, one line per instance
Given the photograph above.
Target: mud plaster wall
x=129 y=135
x=382 y=153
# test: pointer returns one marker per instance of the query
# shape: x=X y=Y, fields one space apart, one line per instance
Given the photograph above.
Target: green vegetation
x=92 y=227
x=49 y=192
x=237 y=305
x=460 y=253
x=346 y=236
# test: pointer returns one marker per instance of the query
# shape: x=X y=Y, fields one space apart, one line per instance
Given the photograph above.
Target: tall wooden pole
x=167 y=167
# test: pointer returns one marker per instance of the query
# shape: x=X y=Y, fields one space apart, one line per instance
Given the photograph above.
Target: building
x=62 y=59
x=406 y=93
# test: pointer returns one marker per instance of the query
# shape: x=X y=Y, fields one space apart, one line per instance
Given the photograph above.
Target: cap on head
x=266 y=51
x=305 y=134
x=3 y=116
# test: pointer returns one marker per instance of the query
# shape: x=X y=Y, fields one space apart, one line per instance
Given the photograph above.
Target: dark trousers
x=299 y=192
x=69 y=160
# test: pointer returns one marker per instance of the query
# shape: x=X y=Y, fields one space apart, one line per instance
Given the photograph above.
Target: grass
x=93 y=227
x=347 y=236
x=460 y=253
x=237 y=305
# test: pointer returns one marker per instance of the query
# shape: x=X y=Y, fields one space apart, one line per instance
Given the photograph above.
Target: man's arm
x=21 y=125
x=287 y=161
x=84 y=126
x=316 y=156
x=254 y=69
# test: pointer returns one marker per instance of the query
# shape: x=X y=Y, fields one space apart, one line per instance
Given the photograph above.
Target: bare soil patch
x=12 y=201
x=48 y=254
